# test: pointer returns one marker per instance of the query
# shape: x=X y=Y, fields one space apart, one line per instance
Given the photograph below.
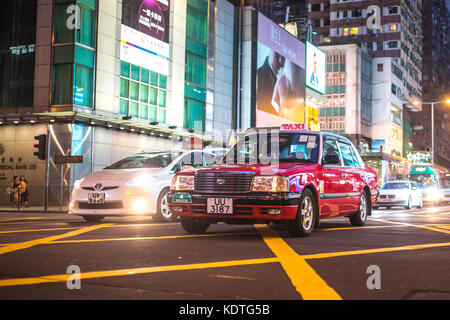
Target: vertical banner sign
x=280 y=91
x=145 y=34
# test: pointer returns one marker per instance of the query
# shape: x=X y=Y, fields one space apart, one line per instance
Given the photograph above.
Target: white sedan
x=400 y=193
x=137 y=185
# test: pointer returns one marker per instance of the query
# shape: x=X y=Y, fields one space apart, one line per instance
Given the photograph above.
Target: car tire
x=163 y=213
x=93 y=218
x=194 y=225
x=307 y=212
x=408 y=206
x=359 y=218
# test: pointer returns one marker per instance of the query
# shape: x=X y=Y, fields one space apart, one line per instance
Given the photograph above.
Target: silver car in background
x=400 y=193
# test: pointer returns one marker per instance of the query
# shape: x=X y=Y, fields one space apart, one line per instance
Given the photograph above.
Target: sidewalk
x=34 y=209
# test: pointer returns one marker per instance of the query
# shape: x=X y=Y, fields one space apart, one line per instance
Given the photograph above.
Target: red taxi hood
x=283 y=168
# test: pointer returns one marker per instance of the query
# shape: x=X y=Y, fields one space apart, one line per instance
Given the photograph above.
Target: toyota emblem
x=98 y=187
x=220 y=181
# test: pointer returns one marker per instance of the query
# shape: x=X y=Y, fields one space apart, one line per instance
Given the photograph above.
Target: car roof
x=320 y=133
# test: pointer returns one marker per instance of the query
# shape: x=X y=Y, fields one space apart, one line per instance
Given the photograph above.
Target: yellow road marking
x=154 y=238
x=28 y=244
x=134 y=271
x=356 y=228
x=306 y=281
x=37 y=230
x=378 y=250
x=426 y=227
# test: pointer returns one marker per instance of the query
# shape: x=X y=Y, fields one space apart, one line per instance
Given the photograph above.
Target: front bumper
x=257 y=206
x=390 y=203
x=118 y=202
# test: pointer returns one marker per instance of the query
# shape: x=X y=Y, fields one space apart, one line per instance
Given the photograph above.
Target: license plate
x=96 y=198
x=220 y=206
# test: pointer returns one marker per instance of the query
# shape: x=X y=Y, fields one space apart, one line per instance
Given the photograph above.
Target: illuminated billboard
x=145 y=34
x=280 y=87
x=315 y=68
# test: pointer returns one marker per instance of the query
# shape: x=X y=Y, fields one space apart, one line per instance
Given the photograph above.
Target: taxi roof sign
x=293 y=126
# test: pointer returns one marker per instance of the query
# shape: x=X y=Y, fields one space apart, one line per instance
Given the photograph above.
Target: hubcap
x=165 y=211
x=307 y=212
x=363 y=207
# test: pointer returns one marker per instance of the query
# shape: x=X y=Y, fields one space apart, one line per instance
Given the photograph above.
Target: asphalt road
x=399 y=254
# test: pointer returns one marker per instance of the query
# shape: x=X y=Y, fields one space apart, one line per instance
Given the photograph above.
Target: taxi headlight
x=180 y=183
x=270 y=184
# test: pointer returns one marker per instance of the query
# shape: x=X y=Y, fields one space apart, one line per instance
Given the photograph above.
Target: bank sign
x=145 y=34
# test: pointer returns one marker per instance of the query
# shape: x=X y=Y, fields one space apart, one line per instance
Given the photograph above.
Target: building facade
x=104 y=79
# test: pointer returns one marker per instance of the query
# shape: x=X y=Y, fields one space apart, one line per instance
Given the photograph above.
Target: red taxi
x=284 y=175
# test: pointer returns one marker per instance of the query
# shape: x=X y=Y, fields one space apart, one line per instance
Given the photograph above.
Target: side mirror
x=331 y=158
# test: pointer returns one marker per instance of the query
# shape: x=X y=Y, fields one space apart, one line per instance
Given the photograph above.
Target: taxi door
x=353 y=175
x=331 y=179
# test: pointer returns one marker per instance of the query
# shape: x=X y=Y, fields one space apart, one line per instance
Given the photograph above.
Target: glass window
x=144 y=93
x=134 y=109
x=62 y=33
x=135 y=72
x=145 y=75
x=85 y=35
x=143 y=111
x=347 y=155
x=195 y=69
x=82 y=86
x=153 y=96
x=152 y=112
x=330 y=147
x=161 y=115
x=124 y=69
x=124 y=88
x=62 y=84
x=194 y=114
x=162 y=81
x=196 y=24
x=145 y=160
x=134 y=90
x=162 y=98
x=123 y=109
x=154 y=78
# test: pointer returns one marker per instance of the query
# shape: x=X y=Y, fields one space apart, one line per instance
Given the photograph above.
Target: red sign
x=293 y=126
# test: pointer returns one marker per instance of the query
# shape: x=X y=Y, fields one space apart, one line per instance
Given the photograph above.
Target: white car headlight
x=182 y=182
x=141 y=181
x=77 y=184
x=270 y=184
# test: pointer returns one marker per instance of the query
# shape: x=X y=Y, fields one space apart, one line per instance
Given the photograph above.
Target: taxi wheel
x=304 y=223
x=359 y=218
x=163 y=213
x=93 y=218
x=194 y=225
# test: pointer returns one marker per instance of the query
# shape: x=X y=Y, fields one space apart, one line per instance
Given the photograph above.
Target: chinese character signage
x=315 y=68
x=280 y=91
x=145 y=34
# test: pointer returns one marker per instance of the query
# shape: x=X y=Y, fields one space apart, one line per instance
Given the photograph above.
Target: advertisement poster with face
x=145 y=34
x=315 y=68
x=280 y=76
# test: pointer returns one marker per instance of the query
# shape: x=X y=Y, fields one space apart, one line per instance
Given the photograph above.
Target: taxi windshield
x=280 y=147
x=395 y=185
x=147 y=160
